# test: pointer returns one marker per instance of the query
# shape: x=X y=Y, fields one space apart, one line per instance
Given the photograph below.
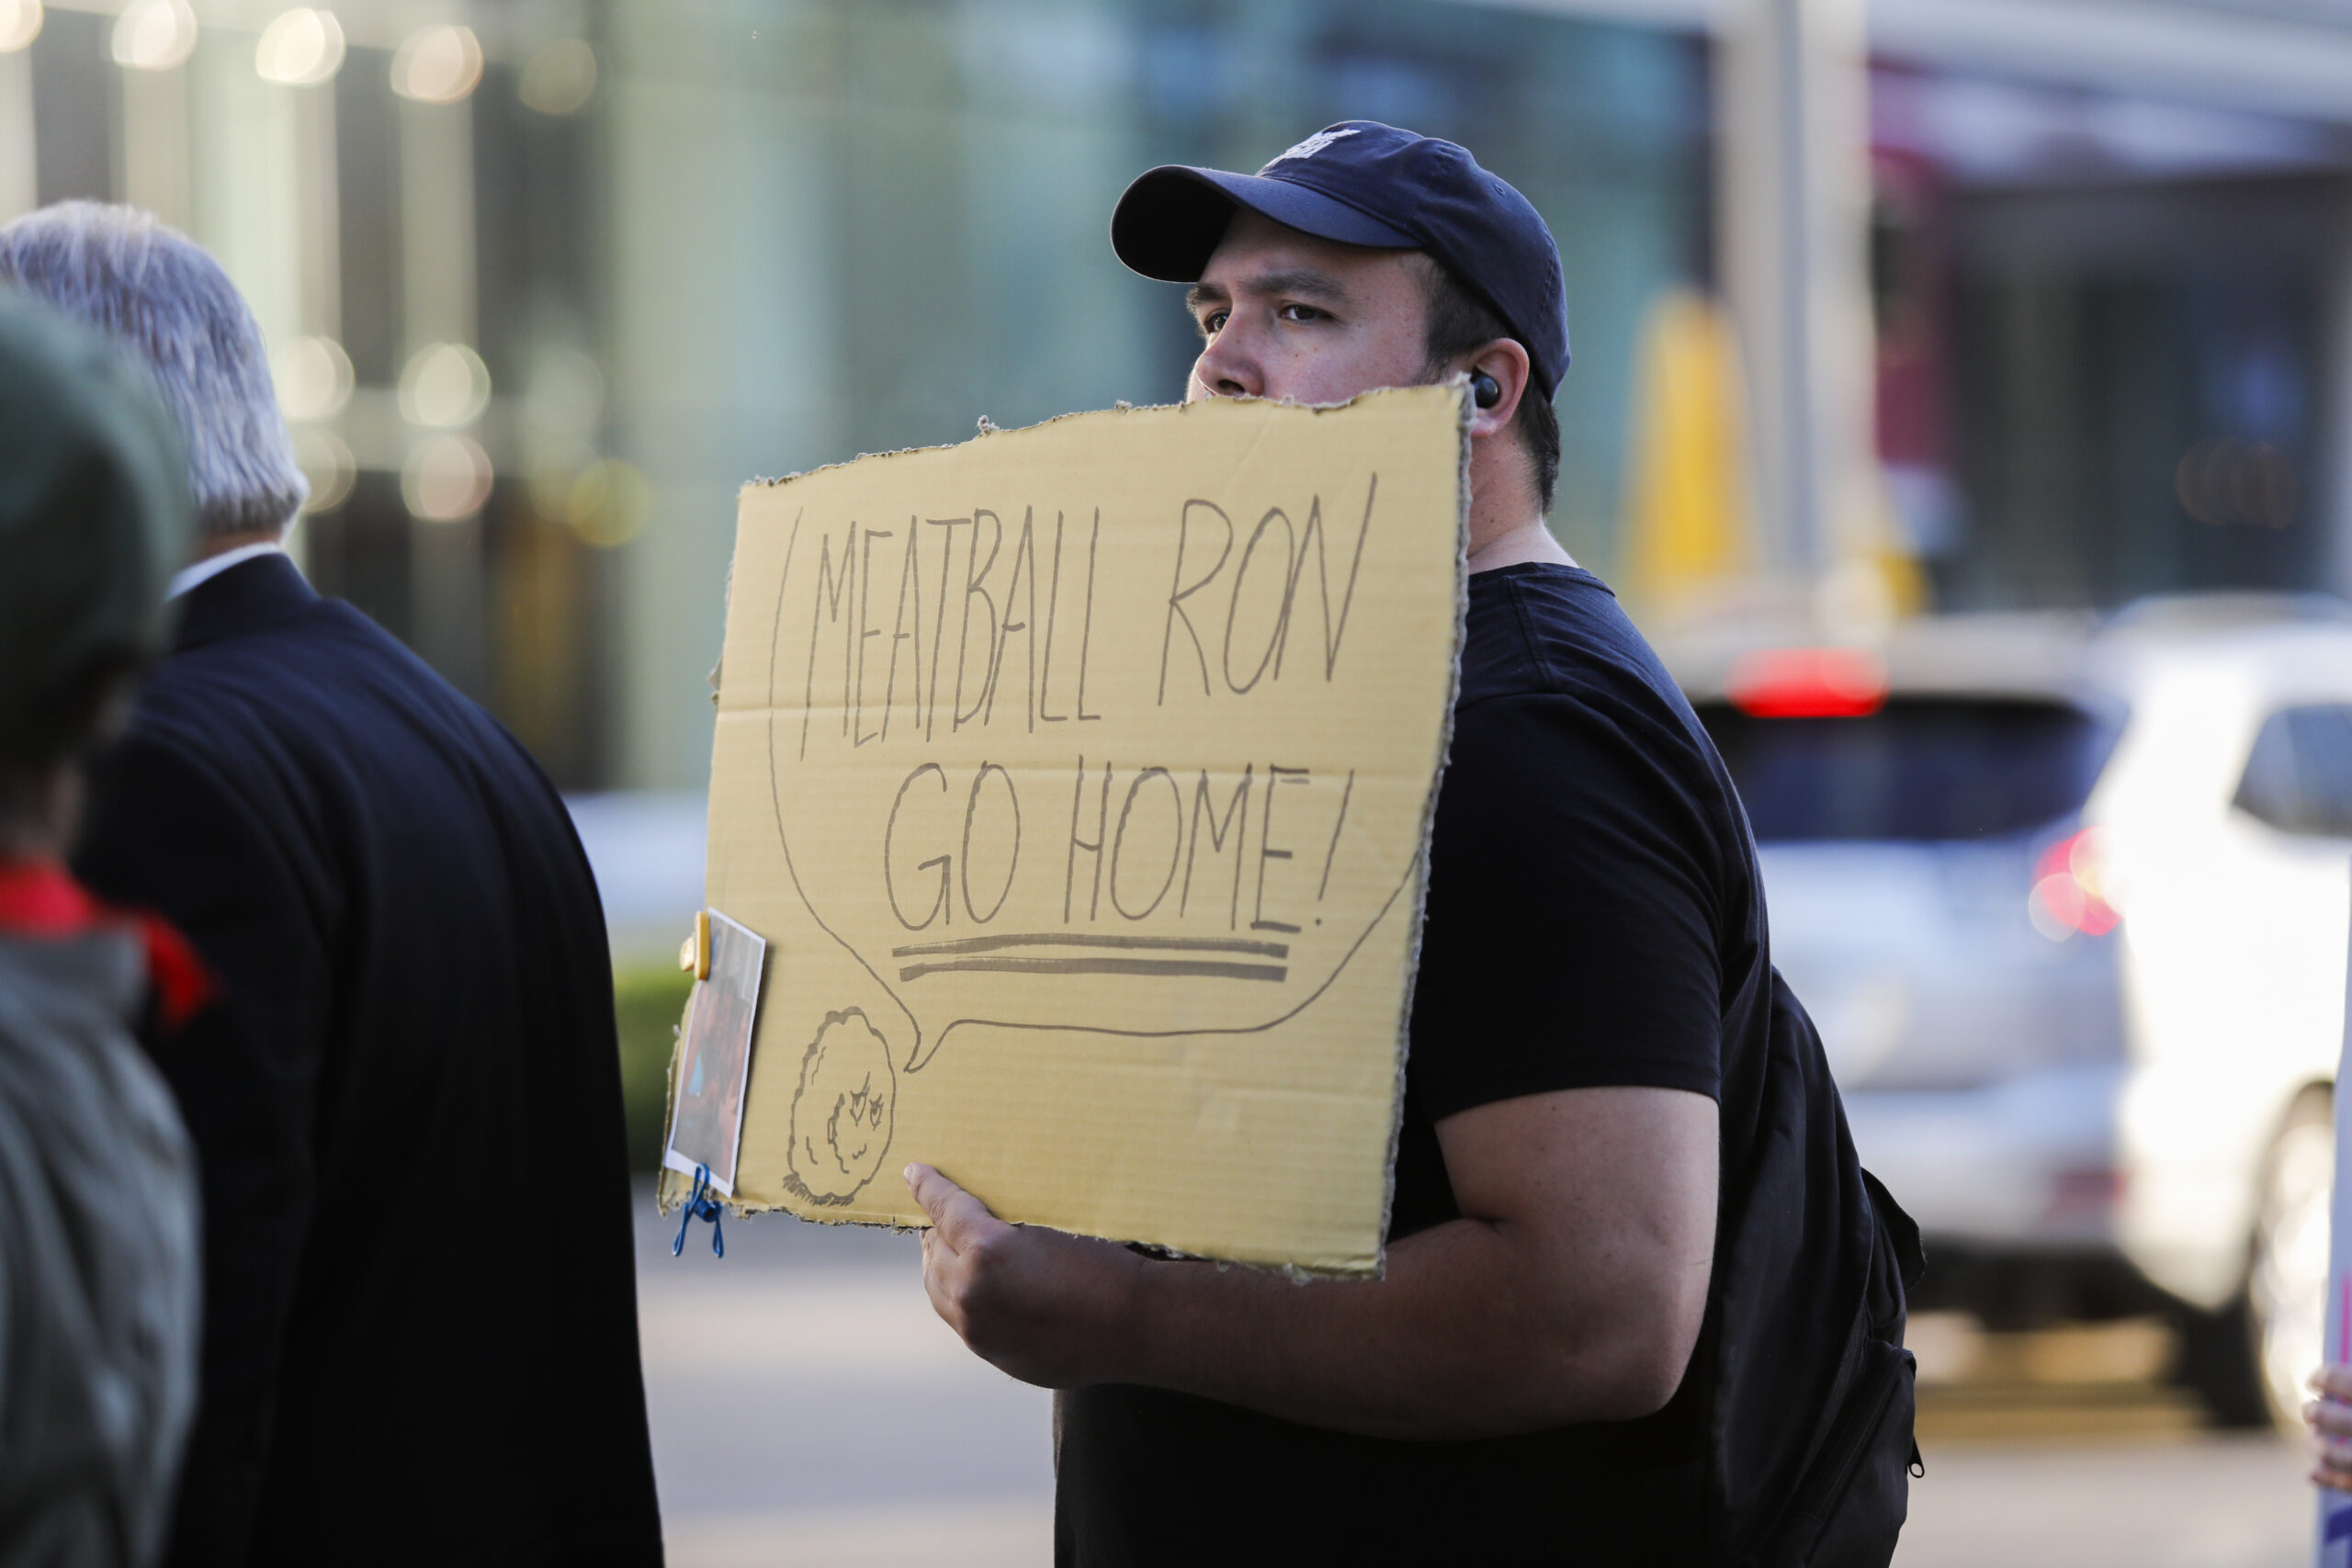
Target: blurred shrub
x=647 y=1004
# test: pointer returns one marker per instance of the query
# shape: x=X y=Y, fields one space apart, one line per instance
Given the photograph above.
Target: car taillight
x=2070 y=889
x=2085 y=1190
x=1807 y=683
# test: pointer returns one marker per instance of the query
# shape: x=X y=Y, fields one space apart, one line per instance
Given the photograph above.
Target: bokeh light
x=313 y=378
x=446 y=478
x=445 y=386
x=560 y=78
x=155 y=35
x=610 y=504
x=2251 y=484
x=439 y=64
x=327 y=463
x=302 y=48
x=2070 y=891
x=19 y=24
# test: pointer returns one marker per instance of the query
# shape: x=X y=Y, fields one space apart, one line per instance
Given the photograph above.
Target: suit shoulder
x=332 y=684
x=331 y=668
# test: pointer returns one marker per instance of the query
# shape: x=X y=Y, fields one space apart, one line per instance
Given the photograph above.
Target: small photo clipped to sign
x=715 y=1052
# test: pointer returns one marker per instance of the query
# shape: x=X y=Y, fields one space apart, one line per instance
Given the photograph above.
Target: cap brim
x=1169 y=222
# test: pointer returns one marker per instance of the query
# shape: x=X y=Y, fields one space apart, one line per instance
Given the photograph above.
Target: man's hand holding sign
x=1560 y=1295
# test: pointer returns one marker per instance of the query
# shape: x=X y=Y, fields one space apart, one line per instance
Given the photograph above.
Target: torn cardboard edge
x=671 y=1192
x=1460 y=382
x=1463 y=413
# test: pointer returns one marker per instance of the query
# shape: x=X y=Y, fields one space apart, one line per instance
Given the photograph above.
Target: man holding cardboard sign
x=1623 y=1195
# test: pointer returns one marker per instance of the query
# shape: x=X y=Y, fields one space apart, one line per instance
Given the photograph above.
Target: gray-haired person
x=418 y=1014
x=97 y=1180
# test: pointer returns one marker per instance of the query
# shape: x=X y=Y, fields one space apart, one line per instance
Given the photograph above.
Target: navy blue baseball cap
x=1363 y=183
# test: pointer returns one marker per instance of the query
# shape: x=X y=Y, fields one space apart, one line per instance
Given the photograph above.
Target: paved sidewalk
x=2203 y=1501
x=809 y=1408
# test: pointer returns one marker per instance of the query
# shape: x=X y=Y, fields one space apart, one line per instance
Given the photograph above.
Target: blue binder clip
x=700 y=1205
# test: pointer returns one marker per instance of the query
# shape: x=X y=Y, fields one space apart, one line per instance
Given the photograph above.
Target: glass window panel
x=2323 y=745
x=2269 y=790
x=1919 y=769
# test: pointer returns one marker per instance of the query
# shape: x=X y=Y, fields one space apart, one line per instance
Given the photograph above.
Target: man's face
x=1286 y=315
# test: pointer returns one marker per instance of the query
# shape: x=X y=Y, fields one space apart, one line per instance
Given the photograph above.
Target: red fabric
x=38 y=899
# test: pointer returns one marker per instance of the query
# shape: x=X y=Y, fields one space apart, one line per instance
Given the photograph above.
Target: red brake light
x=1808 y=682
x=2069 y=890
x=2085 y=1189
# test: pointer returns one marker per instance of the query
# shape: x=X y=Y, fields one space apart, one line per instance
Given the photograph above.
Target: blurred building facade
x=547 y=279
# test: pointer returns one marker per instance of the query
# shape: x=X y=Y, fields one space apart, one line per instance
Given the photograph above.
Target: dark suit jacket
x=420 y=1311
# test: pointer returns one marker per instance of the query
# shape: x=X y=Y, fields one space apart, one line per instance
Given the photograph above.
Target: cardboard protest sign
x=1079 y=779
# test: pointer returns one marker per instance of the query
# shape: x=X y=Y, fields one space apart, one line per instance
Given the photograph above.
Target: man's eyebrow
x=1296 y=280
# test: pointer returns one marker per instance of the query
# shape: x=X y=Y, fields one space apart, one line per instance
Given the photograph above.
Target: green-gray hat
x=93 y=518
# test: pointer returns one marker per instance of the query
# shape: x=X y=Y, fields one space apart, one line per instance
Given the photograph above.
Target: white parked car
x=2069 y=900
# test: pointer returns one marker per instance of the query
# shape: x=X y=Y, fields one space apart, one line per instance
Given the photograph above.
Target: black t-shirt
x=1594 y=918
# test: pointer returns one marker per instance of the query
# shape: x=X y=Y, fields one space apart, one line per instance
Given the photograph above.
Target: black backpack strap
x=1901 y=1229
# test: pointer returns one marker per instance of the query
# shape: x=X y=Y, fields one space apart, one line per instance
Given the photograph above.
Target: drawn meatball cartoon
x=840 y=1112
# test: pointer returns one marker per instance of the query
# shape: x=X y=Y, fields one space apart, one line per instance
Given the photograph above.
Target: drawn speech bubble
x=1127 y=723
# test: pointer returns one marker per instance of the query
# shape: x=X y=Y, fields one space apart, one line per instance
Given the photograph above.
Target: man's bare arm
x=1571 y=1289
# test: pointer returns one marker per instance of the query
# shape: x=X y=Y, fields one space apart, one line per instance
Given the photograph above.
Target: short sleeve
x=1572 y=932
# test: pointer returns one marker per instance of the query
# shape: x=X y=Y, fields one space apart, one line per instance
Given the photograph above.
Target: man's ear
x=1505 y=362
